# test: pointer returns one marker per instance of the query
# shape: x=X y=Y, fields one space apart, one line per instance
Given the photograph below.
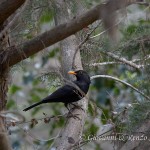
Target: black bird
x=69 y=93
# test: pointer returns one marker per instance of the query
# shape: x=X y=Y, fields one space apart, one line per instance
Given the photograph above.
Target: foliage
x=106 y=96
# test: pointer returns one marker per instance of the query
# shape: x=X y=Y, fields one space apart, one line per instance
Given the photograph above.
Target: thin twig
x=108 y=28
x=105 y=63
x=37 y=139
x=50 y=117
x=121 y=59
x=116 y=79
x=79 y=46
x=113 y=62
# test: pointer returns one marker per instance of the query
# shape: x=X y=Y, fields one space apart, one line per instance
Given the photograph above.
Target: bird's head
x=81 y=75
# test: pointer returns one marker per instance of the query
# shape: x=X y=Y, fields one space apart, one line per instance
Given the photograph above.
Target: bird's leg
x=66 y=105
x=70 y=114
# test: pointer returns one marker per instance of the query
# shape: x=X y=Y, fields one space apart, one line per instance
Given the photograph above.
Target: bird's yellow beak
x=72 y=72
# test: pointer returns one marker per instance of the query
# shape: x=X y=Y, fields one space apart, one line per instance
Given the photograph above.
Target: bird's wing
x=60 y=94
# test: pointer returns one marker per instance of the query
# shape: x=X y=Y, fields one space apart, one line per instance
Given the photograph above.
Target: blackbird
x=68 y=93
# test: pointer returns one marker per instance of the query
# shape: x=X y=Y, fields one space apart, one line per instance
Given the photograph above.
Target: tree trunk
x=4 y=71
x=68 y=45
x=72 y=131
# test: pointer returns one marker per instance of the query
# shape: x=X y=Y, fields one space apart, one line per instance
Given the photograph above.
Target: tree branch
x=73 y=127
x=82 y=43
x=116 y=79
x=121 y=59
x=8 y=7
x=104 y=63
x=13 y=19
x=15 y=54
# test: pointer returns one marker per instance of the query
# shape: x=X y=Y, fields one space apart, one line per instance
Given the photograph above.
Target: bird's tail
x=34 y=105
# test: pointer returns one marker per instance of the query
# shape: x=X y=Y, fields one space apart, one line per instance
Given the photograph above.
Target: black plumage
x=68 y=93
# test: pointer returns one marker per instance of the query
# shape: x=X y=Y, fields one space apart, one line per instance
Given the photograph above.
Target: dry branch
x=121 y=81
x=8 y=7
x=15 y=54
x=14 y=17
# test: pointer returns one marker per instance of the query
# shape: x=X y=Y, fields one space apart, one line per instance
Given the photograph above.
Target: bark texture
x=73 y=128
x=10 y=55
x=15 y=54
x=4 y=77
x=8 y=7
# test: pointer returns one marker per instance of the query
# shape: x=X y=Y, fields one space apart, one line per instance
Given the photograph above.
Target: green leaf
x=92 y=109
x=53 y=52
x=116 y=91
x=93 y=129
x=131 y=29
x=41 y=90
x=35 y=82
x=46 y=17
x=35 y=97
x=10 y=104
x=14 y=88
x=35 y=111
